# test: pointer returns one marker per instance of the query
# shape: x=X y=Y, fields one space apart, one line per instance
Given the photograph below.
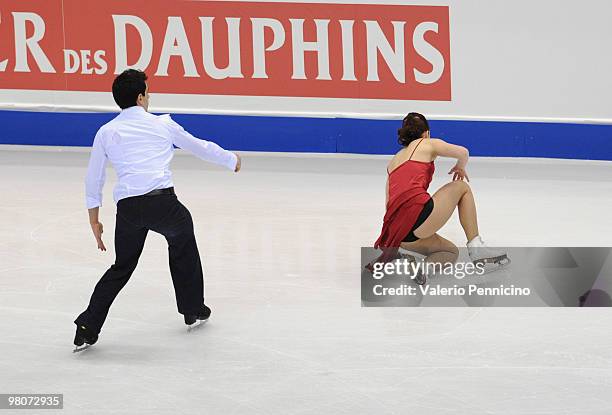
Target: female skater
x=413 y=216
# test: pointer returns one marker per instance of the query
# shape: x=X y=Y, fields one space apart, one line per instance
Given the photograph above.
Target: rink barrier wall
x=328 y=135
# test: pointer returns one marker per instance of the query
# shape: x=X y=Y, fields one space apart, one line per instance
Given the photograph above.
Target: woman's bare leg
x=448 y=197
x=436 y=248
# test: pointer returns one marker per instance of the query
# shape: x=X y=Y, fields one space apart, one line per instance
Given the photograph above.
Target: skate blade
x=420 y=279
x=408 y=258
x=196 y=325
x=411 y=256
x=494 y=264
x=78 y=349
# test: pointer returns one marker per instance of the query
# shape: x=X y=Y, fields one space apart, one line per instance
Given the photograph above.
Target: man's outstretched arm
x=205 y=150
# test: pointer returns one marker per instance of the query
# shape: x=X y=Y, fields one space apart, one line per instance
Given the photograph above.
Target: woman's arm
x=444 y=149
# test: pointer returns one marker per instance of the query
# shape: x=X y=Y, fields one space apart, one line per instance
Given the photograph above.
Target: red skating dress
x=408 y=185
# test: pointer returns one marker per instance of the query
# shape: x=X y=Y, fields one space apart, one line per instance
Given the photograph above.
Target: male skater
x=139 y=145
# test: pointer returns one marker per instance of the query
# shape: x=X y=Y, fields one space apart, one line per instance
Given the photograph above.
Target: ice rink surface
x=280 y=246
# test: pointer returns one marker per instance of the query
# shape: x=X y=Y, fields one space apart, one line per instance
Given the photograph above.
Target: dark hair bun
x=413 y=128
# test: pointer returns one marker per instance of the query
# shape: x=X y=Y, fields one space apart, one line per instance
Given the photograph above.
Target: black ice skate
x=195 y=321
x=84 y=338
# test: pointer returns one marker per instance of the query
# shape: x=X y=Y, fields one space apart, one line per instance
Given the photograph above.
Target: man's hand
x=98 y=229
x=459 y=173
x=238 y=163
x=96 y=226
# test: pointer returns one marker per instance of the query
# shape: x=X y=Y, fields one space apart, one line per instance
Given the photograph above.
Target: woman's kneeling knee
x=462 y=185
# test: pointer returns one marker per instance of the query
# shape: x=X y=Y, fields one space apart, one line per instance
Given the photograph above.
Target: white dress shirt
x=139 y=145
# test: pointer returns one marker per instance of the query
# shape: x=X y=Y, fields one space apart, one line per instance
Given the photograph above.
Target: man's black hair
x=127 y=86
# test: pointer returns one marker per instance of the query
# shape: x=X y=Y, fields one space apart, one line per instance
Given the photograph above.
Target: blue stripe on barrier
x=328 y=135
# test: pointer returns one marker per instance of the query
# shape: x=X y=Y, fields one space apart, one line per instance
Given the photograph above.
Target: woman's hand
x=459 y=173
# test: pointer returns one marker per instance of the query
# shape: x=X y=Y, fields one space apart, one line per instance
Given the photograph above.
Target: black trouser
x=163 y=214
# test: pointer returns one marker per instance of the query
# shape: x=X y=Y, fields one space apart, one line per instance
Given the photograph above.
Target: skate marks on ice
x=197 y=326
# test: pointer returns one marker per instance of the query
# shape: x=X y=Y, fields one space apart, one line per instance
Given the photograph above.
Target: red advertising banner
x=229 y=48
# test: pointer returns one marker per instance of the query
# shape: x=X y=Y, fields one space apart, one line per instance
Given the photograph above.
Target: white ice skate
x=410 y=256
x=420 y=278
x=492 y=259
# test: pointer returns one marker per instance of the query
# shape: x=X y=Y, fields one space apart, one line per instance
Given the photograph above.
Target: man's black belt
x=157 y=192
